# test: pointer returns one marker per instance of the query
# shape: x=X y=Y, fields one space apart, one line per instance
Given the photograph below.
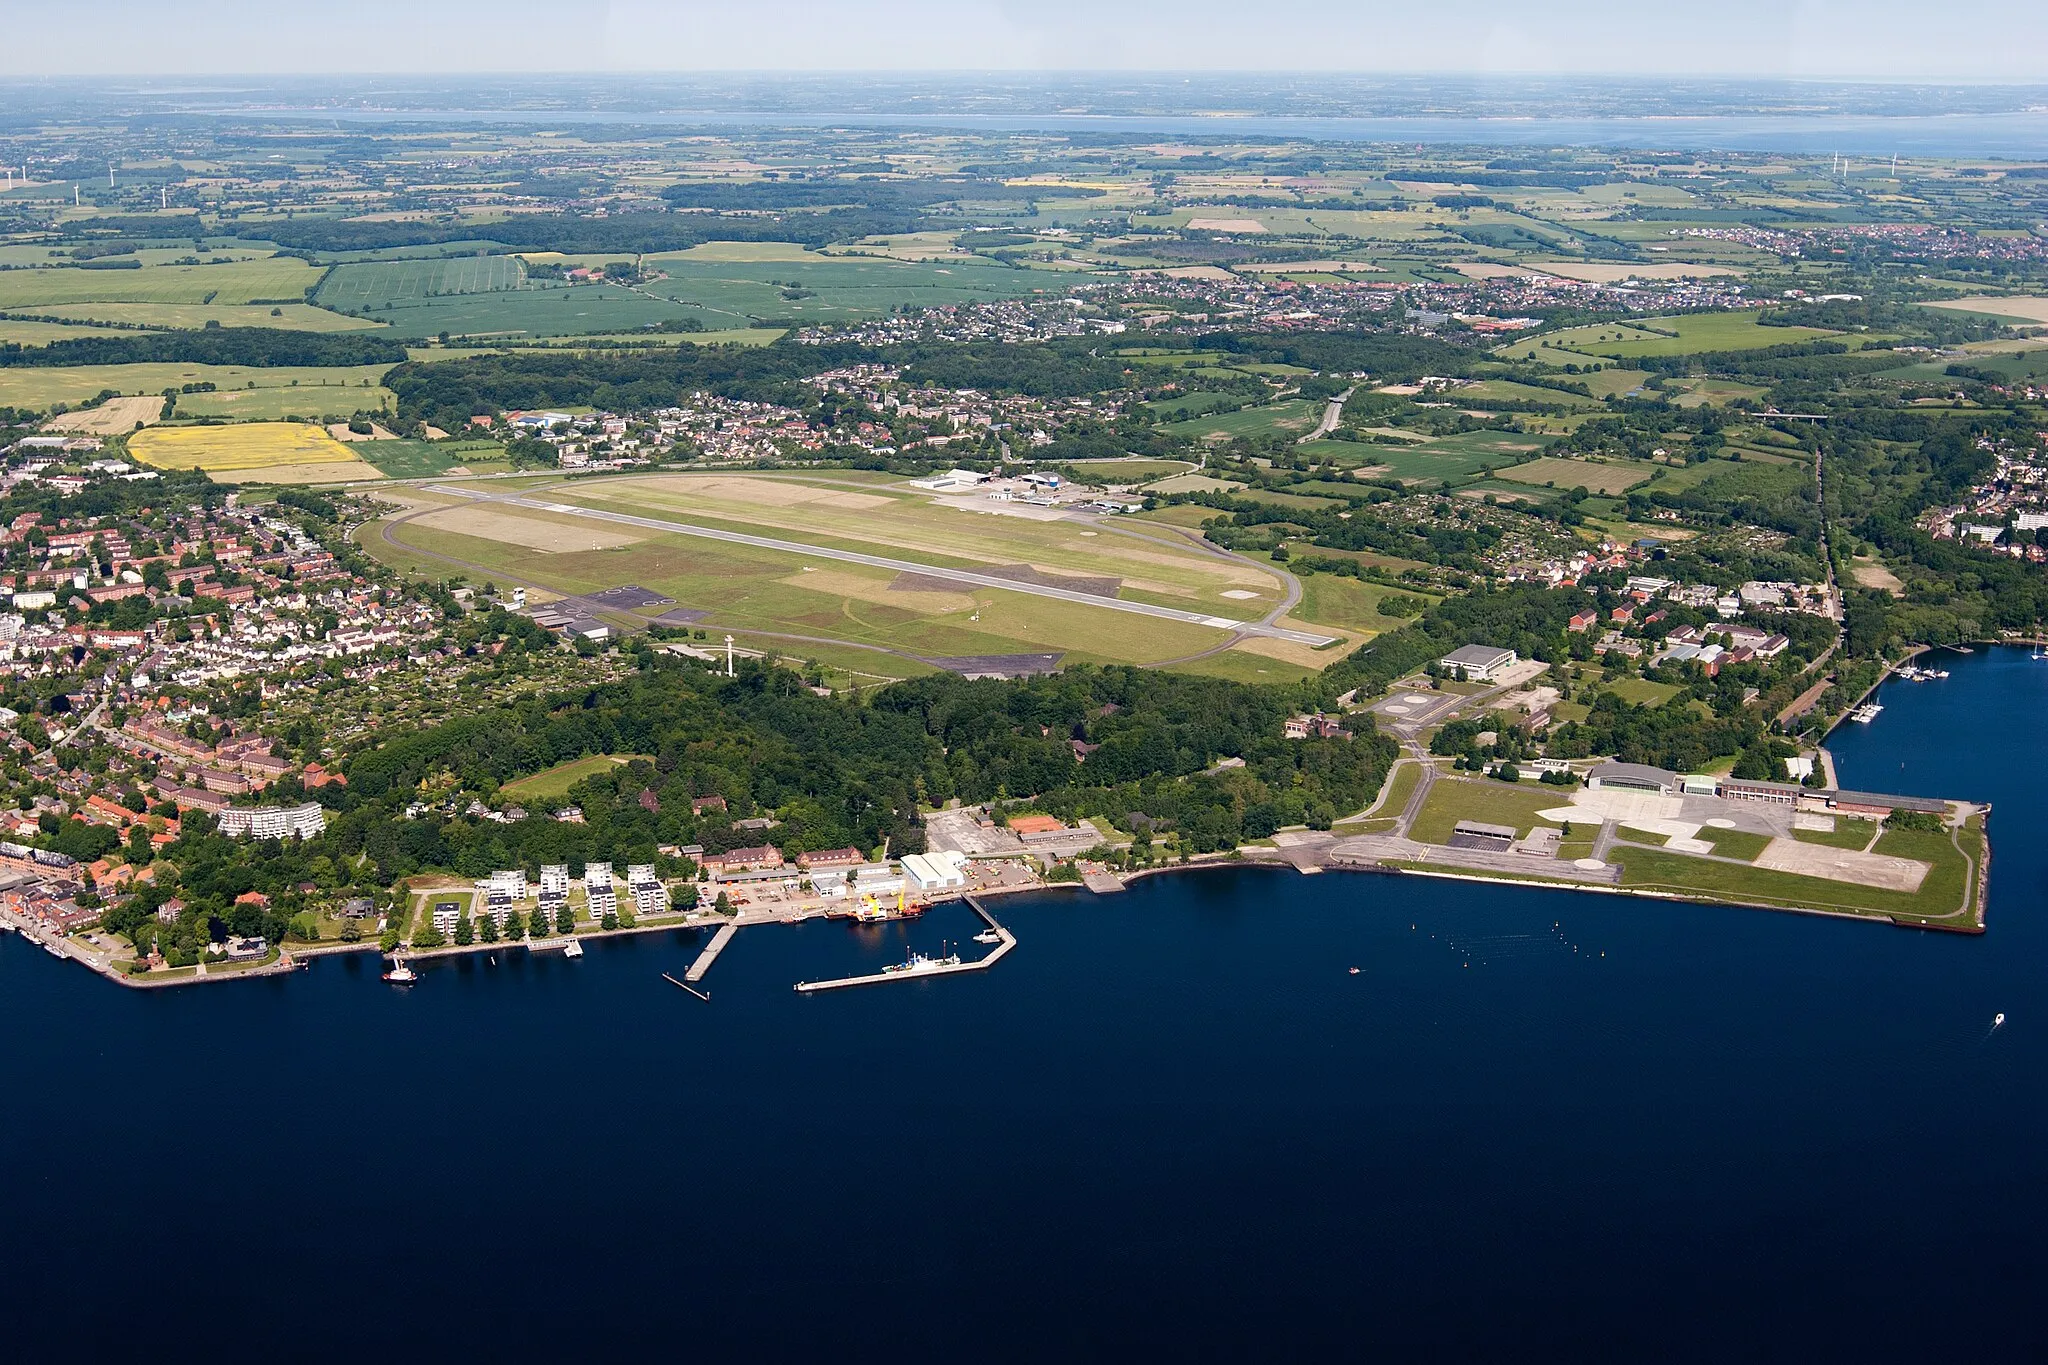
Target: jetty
x=705 y=996
x=711 y=952
x=1008 y=941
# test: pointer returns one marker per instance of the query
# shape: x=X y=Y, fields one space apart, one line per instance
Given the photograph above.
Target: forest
x=215 y=345
x=829 y=771
x=448 y=392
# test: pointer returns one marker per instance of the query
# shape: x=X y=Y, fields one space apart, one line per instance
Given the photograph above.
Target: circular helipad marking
x=1589 y=865
x=1395 y=710
x=1720 y=822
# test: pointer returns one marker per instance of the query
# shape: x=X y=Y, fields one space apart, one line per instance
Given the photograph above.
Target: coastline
x=293 y=957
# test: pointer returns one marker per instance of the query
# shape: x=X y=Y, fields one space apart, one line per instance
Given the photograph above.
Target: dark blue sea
x=1170 y=1126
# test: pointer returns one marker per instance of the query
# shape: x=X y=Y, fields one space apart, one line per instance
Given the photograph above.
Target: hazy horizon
x=1973 y=42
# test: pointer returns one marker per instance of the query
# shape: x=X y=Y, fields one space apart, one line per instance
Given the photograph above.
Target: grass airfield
x=782 y=595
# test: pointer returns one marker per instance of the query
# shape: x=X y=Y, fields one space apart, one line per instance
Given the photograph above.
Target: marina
x=918 y=966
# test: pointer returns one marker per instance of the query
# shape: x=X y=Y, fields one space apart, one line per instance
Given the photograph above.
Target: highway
x=1333 y=417
x=967 y=576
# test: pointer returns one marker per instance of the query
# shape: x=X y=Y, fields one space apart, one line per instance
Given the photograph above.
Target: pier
x=705 y=996
x=1009 y=941
x=711 y=952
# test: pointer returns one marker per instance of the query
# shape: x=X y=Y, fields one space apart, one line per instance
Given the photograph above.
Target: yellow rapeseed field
x=248 y=445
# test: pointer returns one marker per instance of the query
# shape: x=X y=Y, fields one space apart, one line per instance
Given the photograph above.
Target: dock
x=705 y=996
x=711 y=952
x=1009 y=941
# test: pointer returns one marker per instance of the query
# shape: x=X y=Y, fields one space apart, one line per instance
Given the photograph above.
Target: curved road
x=1332 y=416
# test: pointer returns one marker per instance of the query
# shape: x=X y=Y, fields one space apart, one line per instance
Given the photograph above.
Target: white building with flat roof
x=598 y=886
x=554 y=884
x=509 y=886
x=1479 y=663
x=649 y=896
x=273 y=822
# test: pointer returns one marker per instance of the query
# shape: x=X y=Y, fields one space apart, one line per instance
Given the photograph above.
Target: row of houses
x=500 y=892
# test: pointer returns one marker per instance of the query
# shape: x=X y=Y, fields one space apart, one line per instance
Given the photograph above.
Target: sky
x=1948 y=40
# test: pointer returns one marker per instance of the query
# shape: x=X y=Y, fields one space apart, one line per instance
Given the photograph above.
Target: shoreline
x=298 y=960
x=292 y=958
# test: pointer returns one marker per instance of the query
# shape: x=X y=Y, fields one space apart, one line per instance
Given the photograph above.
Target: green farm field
x=22 y=333
x=1294 y=417
x=562 y=311
x=35 y=388
x=1687 y=335
x=270 y=404
x=297 y=317
x=1506 y=390
x=824 y=289
x=408 y=459
x=1701 y=391
x=1130 y=471
x=1445 y=458
x=1568 y=474
x=1197 y=404
x=241 y=282
x=1298 y=501
x=374 y=284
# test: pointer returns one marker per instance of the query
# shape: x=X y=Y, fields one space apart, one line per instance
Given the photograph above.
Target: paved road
x=980 y=580
x=1418 y=797
x=1332 y=415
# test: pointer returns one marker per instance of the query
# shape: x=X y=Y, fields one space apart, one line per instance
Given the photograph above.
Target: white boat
x=574 y=949
x=1866 y=713
x=1999 y=1022
x=401 y=974
x=918 y=962
x=988 y=936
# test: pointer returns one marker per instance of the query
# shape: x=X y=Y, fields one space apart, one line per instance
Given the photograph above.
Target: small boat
x=1998 y=1022
x=988 y=936
x=400 y=974
x=1354 y=971
x=1866 y=713
x=574 y=949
